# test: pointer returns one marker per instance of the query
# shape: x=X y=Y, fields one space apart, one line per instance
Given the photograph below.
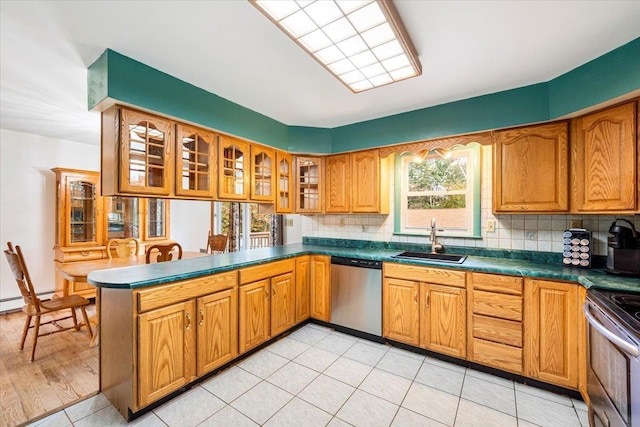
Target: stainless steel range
x=613 y=358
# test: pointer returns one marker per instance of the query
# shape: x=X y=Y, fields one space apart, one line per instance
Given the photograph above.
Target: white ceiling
x=467 y=48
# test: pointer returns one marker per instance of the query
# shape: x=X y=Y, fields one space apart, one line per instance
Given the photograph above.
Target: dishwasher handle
x=357 y=262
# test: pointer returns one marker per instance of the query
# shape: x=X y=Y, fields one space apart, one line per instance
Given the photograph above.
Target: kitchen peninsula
x=165 y=326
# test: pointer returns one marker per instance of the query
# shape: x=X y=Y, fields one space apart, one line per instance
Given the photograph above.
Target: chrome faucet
x=436 y=248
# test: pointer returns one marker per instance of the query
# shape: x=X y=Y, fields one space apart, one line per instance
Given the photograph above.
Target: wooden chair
x=123 y=247
x=216 y=243
x=36 y=307
x=165 y=252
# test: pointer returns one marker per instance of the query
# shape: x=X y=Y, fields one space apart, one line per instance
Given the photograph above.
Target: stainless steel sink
x=428 y=256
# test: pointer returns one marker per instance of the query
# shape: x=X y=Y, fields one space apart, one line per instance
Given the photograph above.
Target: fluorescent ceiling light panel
x=361 y=42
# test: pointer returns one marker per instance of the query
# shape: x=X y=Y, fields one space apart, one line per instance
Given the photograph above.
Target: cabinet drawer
x=160 y=296
x=425 y=274
x=82 y=255
x=497 y=355
x=498 y=330
x=264 y=271
x=497 y=283
x=497 y=305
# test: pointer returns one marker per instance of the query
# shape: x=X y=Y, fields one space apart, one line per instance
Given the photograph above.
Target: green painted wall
x=502 y=109
x=123 y=79
x=613 y=74
x=310 y=140
x=138 y=84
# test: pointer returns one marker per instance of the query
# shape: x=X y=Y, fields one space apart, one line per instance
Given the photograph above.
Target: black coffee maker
x=623 y=253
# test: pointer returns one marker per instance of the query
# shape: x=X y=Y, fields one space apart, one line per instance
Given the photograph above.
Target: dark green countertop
x=147 y=275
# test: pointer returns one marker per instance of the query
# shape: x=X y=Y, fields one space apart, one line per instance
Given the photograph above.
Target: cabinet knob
x=426 y=300
x=201 y=317
x=415 y=298
x=188 y=318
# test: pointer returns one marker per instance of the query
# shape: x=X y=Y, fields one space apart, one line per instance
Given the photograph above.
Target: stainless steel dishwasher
x=356 y=294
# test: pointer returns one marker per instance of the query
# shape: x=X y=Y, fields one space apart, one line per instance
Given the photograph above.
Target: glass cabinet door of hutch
x=157 y=219
x=283 y=202
x=146 y=154
x=82 y=212
x=233 y=172
x=123 y=217
x=263 y=164
x=195 y=160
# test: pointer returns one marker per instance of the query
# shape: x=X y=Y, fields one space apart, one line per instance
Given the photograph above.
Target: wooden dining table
x=78 y=272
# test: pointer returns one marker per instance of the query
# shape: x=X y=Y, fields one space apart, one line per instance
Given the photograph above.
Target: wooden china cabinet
x=85 y=221
x=309 y=184
x=263 y=161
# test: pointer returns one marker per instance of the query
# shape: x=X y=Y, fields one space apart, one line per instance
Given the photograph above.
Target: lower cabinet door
x=166 y=350
x=217 y=330
x=443 y=319
x=283 y=303
x=303 y=298
x=254 y=314
x=400 y=312
x=321 y=287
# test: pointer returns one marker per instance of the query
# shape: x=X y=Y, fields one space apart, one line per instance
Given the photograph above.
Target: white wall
x=190 y=222
x=27 y=202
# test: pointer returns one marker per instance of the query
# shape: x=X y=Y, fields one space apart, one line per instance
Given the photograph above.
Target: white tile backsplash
x=522 y=232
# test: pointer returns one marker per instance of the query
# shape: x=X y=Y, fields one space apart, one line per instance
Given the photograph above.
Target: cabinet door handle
x=426 y=300
x=85 y=253
x=201 y=316
x=415 y=298
x=188 y=317
x=266 y=294
x=273 y=291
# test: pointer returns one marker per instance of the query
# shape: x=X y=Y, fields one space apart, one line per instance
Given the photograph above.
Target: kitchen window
x=440 y=184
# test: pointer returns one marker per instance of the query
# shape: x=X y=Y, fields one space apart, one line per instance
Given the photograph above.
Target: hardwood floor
x=65 y=370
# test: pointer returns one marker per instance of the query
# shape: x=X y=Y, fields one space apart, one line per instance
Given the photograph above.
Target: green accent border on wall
x=117 y=78
x=612 y=75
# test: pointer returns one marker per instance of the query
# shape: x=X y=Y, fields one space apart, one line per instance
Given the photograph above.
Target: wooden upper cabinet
x=195 y=162
x=309 y=184
x=233 y=172
x=605 y=168
x=338 y=183
x=366 y=196
x=530 y=169
x=284 y=183
x=138 y=147
x=263 y=171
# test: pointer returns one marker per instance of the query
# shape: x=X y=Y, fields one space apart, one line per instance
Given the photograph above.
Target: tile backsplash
x=523 y=232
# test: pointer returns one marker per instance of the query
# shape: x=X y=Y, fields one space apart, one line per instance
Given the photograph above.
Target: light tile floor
x=320 y=377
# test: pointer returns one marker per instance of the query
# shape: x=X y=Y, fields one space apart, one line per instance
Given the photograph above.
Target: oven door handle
x=629 y=348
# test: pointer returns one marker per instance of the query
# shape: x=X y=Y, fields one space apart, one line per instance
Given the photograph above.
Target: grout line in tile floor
x=377 y=385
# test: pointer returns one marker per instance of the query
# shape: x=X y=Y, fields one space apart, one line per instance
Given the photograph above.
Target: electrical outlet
x=575 y=223
x=364 y=228
x=288 y=222
x=491 y=226
x=341 y=222
x=531 y=235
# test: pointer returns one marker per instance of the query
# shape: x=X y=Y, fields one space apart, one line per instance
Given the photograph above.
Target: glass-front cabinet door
x=78 y=209
x=284 y=169
x=123 y=217
x=262 y=173
x=195 y=161
x=156 y=219
x=145 y=154
x=233 y=182
x=308 y=185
